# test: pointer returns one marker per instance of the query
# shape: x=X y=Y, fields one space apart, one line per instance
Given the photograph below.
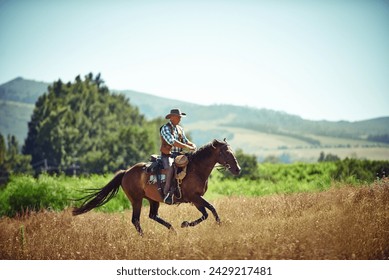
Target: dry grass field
x=342 y=223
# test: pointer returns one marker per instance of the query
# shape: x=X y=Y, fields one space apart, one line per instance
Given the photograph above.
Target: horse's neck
x=205 y=163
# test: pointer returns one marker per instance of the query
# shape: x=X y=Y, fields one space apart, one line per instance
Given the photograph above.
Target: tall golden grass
x=341 y=223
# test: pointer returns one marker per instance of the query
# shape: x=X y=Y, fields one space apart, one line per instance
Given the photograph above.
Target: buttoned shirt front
x=170 y=134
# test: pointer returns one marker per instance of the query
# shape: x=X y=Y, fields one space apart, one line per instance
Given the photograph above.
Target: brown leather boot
x=166 y=191
x=169 y=176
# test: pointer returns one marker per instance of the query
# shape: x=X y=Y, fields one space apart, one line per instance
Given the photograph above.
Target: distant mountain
x=259 y=131
x=263 y=120
x=153 y=106
x=17 y=99
x=14 y=117
x=21 y=90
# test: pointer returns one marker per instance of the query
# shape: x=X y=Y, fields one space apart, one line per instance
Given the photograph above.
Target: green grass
x=276 y=179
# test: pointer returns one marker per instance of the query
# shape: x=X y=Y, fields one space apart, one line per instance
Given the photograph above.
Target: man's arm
x=186 y=141
x=167 y=135
x=190 y=146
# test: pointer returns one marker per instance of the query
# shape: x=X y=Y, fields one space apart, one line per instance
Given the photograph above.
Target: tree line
x=11 y=159
x=82 y=125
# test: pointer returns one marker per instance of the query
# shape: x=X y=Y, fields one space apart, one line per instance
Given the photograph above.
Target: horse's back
x=134 y=179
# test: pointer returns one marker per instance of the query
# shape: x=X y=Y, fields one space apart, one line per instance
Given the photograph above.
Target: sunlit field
x=340 y=223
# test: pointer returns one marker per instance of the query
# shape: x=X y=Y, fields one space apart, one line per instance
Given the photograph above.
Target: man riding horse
x=173 y=141
x=135 y=182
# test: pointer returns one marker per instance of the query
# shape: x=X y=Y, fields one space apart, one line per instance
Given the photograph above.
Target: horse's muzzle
x=236 y=170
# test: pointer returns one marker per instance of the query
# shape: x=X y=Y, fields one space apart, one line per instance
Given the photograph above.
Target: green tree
x=363 y=170
x=11 y=160
x=155 y=125
x=271 y=159
x=329 y=157
x=248 y=164
x=2 y=149
x=83 y=123
x=4 y=172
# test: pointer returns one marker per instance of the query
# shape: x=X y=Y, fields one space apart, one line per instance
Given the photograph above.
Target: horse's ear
x=214 y=143
x=217 y=142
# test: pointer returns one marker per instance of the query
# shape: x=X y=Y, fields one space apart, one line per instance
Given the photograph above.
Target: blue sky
x=316 y=59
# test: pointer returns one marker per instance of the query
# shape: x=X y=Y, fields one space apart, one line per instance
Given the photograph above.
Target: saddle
x=154 y=164
x=157 y=174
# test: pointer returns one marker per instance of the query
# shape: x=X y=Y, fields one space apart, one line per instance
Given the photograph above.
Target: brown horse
x=134 y=182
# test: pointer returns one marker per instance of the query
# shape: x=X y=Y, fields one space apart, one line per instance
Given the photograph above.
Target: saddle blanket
x=154 y=180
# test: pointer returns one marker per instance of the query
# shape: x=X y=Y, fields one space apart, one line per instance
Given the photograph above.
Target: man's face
x=175 y=119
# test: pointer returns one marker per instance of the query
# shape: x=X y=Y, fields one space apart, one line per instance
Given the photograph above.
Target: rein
x=225 y=165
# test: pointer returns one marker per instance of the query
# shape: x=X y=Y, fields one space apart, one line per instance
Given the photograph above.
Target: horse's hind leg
x=136 y=209
x=154 y=206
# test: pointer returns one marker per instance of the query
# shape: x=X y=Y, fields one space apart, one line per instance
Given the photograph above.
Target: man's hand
x=190 y=148
x=193 y=147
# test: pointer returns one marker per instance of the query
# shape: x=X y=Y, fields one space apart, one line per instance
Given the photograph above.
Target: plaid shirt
x=166 y=133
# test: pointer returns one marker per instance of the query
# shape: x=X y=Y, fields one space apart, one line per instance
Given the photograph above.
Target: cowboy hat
x=176 y=112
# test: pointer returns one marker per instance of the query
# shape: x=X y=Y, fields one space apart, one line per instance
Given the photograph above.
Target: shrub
x=25 y=193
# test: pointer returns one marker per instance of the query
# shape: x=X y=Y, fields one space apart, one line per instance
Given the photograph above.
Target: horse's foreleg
x=196 y=222
x=213 y=210
x=154 y=206
x=201 y=204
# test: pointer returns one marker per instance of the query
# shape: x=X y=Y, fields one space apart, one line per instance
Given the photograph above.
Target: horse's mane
x=204 y=151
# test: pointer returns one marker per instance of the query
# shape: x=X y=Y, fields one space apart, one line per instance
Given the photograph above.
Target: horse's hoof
x=185 y=224
x=218 y=222
x=173 y=230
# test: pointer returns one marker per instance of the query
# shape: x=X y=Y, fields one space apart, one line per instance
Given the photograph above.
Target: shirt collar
x=172 y=124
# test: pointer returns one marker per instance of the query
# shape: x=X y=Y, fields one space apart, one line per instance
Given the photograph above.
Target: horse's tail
x=99 y=197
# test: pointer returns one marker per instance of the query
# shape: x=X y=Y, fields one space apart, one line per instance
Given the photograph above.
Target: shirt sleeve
x=167 y=135
x=185 y=140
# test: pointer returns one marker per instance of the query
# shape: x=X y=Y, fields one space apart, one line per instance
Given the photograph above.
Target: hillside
x=262 y=120
x=17 y=99
x=22 y=90
x=262 y=132
x=14 y=117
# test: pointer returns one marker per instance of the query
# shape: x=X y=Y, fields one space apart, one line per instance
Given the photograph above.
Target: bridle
x=223 y=155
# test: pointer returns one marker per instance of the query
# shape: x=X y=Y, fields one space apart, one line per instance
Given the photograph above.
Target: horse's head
x=226 y=157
